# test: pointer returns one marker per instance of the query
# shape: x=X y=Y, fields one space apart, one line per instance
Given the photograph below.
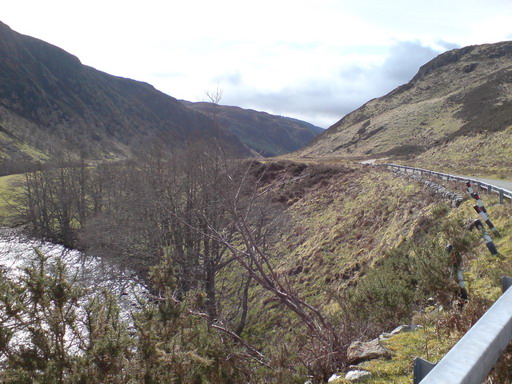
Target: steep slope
x=361 y=240
x=267 y=134
x=50 y=101
x=462 y=94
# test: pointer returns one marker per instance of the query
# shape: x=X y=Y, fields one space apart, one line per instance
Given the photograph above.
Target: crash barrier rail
x=473 y=357
x=502 y=192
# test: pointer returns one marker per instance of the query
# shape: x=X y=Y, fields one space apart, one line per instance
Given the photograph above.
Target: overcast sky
x=314 y=60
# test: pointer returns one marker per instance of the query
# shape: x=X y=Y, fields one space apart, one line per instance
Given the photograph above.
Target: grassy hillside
x=483 y=154
x=353 y=234
x=455 y=113
x=7 y=189
x=341 y=221
x=345 y=220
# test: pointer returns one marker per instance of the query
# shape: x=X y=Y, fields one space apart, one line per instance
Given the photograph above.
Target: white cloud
x=323 y=98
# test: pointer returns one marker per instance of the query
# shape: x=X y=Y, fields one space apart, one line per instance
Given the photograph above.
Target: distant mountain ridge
x=461 y=99
x=49 y=101
x=267 y=134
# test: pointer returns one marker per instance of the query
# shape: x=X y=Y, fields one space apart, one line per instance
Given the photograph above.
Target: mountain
x=267 y=134
x=50 y=101
x=456 y=112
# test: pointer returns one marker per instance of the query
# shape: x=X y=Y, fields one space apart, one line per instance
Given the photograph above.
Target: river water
x=93 y=273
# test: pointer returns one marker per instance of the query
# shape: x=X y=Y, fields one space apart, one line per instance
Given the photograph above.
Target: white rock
x=405 y=328
x=397 y=330
x=357 y=375
x=333 y=377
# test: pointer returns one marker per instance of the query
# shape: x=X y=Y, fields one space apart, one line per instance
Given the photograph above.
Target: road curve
x=502 y=185
x=498 y=183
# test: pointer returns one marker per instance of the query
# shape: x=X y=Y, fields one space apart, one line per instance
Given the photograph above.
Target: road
x=505 y=185
x=498 y=183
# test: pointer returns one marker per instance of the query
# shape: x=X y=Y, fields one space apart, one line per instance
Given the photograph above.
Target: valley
x=150 y=240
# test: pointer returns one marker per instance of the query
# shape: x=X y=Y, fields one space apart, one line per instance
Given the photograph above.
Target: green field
x=7 y=190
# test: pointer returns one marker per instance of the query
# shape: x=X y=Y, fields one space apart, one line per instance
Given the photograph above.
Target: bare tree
x=53 y=199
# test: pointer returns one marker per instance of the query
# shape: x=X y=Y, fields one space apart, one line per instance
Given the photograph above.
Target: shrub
x=46 y=337
x=385 y=295
x=401 y=282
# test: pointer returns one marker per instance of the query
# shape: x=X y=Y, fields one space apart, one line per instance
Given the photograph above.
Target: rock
x=399 y=329
x=333 y=377
x=357 y=375
x=405 y=328
x=360 y=351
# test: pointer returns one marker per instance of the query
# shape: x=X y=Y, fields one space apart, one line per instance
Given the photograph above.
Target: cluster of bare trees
x=176 y=205
x=167 y=206
x=193 y=208
x=57 y=199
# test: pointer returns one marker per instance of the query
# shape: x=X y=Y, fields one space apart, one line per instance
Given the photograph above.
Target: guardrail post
x=501 y=196
x=421 y=369
x=506 y=283
x=485 y=236
x=473 y=357
x=456 y=270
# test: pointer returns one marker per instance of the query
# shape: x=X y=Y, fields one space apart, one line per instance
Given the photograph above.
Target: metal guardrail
x=473 y=357
x=502 y=192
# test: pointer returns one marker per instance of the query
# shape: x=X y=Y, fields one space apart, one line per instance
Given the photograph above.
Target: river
x=93 y=273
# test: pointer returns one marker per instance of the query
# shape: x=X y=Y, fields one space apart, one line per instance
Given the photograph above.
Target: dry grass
x=461 y=117
x=339 y=224
x=486 y=154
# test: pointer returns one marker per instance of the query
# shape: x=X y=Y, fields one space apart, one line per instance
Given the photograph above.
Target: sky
x=315 y=60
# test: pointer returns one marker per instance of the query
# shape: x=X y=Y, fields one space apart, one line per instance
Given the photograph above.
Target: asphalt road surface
x=499 y=183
